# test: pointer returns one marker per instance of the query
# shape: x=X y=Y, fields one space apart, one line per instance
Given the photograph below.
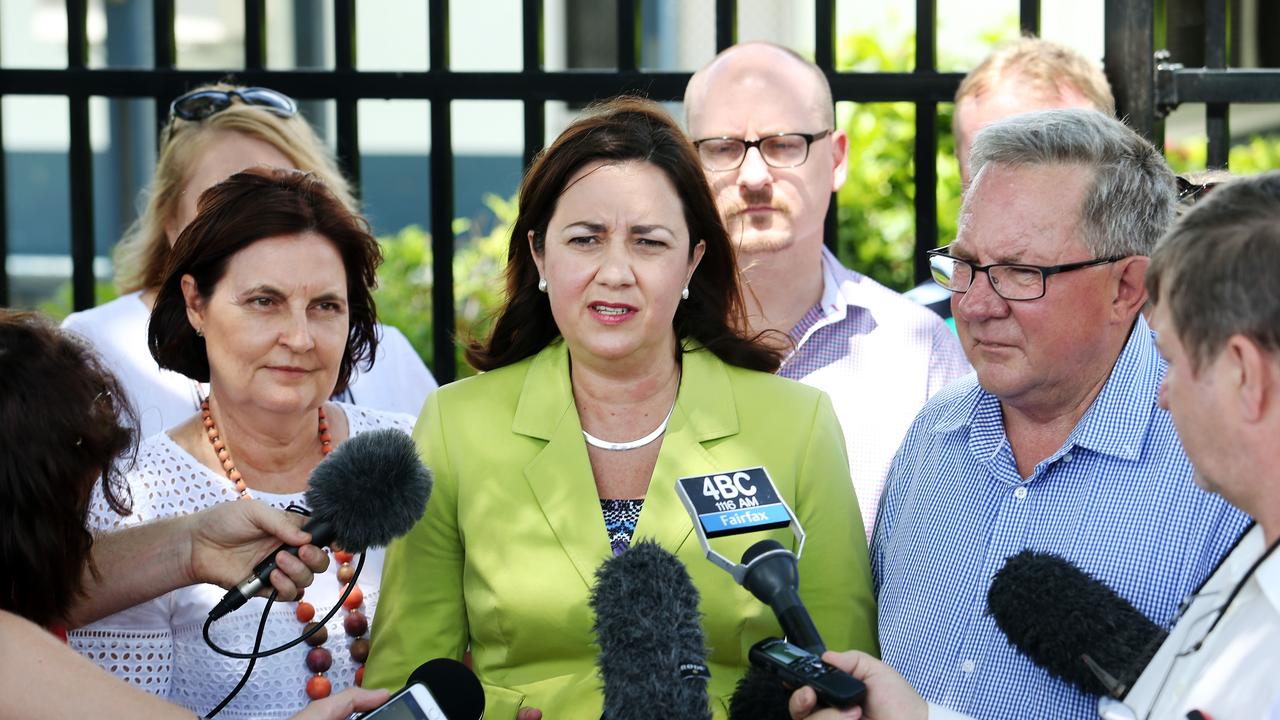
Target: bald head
x=772 y=73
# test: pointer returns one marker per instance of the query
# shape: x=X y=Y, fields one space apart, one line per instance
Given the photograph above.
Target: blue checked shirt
x=1117 y=499
x=880 y=357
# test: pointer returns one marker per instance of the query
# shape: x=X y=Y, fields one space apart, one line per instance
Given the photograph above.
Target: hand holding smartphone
x=412 y=703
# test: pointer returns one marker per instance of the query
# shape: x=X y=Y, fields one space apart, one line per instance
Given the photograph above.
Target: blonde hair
x=1042 y=67
x=141 y=253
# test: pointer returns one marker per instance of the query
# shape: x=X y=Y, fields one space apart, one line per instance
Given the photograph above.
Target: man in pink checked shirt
x=763 y=121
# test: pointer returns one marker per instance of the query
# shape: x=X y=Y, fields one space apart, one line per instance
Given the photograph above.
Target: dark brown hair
x=620 y=130
x=247 y=207
x=65 y=422
x=1215 y=269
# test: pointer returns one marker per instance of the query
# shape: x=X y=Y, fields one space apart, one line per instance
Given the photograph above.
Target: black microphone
x=454 y=687
x=370 y=490
x=760 y=695
x=773 y=576
x=1072 y=624
x=652 y=653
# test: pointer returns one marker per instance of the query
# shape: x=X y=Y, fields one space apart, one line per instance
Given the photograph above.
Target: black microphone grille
x=760 y=548
x=652 y=653
x=1054 y=613
x=454 y=687
x=371 y=489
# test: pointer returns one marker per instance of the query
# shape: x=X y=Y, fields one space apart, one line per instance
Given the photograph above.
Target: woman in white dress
x=267 y=299
x=214 y=131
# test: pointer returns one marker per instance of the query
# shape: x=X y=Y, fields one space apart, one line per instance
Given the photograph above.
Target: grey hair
x=1131 y=200
x=1218 y=266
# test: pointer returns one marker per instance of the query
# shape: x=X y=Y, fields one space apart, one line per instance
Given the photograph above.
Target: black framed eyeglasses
x=1010 y=281
x=200 y=104
x=783 y=150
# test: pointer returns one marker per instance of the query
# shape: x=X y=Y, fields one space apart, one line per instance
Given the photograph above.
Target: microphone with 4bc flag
x=746 y=501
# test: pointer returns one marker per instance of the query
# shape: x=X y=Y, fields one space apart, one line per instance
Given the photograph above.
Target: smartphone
x=796 y=667
x=412 y=703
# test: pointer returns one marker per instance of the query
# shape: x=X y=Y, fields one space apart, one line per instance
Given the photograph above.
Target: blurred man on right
x=1217 y=315
x=1057 y=444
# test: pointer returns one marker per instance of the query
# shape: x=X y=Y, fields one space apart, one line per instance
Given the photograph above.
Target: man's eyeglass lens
x=1011 y=282
x=780 y=151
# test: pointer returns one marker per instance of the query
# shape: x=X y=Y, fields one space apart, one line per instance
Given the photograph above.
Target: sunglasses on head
x=200 y=104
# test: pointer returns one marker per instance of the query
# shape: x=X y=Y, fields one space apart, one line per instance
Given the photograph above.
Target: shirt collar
x=841 y=287
x=1115 y=424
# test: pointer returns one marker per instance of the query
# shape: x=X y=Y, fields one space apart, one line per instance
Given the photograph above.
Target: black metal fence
x=1143 y=91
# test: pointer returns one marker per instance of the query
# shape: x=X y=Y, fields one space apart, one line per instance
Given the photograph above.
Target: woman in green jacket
x=615 y=367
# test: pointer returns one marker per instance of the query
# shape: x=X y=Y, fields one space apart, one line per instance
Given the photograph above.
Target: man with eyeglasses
x=763 y=122
x=1056 y=444
x=1217 y=315
x=1023 y=75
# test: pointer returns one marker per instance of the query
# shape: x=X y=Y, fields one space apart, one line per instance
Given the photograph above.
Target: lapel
x=560 y=474
x=705 y=411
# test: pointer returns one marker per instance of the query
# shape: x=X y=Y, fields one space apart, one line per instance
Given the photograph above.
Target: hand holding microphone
x=222 y=544
x=369 y=491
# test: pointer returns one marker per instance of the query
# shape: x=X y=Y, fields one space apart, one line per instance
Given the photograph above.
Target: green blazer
x=504 y=559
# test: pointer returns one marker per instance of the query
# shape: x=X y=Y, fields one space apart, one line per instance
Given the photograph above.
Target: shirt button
x=1067 y=458
x=1020 y=492
x=967 y=666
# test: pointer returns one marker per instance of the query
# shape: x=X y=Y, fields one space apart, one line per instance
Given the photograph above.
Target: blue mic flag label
x=733 y=502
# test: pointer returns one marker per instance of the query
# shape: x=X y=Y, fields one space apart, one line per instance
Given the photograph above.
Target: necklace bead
x=319 y=659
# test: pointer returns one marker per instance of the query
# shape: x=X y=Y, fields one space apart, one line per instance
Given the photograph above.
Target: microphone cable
x=253 y=655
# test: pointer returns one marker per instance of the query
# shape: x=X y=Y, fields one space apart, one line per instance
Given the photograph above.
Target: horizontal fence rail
x=1142 y=93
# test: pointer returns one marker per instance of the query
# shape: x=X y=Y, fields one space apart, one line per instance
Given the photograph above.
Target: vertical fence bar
x=1129 y=39
x=162 y=39
x=628 y=26
x=344 y=60
x=824 y=35
x=4 y=219
x=442 y=312
x=4 y=223
x=535 y=109
x=1216 y=120
x=255 y=34
x=726 y=23
x=80 y=162
x=824 y=46
x=926 y=142
x=1029 y=17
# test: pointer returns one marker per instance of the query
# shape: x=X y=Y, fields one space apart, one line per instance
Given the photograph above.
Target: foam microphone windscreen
x=652 y=654
x=760 y=695
x=370 y=490
x=1055 y=613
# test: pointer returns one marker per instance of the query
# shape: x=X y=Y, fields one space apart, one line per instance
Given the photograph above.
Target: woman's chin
x=287 y=402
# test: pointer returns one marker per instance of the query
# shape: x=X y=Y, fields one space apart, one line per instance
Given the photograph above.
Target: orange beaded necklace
x=356 y=625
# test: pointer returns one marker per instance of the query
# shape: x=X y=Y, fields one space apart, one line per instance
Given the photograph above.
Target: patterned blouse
x=620 y=517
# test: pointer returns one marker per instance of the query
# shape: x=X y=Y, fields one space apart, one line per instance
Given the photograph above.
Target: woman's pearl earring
x=684 y=294
x=542 y=284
